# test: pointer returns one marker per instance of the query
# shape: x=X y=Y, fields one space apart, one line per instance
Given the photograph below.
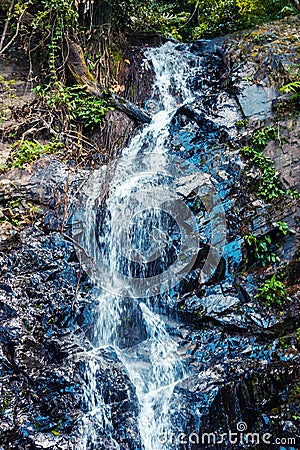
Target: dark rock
x=199 y=118
x=203 y=47
x=7 y=311
x=118 y=397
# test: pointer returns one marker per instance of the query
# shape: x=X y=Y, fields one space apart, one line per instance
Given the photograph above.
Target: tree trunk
x=82 y=76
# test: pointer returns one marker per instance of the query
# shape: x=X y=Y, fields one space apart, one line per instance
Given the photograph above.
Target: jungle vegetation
x=73 y=47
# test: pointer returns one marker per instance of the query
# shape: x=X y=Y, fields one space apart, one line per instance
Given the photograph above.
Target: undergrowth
x=74 y=102
x=26 y=152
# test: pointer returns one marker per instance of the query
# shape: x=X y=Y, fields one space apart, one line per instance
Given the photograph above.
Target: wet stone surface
x=45 y=315
x=242 y=356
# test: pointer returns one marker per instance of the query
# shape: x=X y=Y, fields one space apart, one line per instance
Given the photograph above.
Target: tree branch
x=7 y=23
x=82 y=76
x=14 y=36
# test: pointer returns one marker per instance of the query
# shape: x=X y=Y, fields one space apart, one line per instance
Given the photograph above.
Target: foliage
x=261 y=137
x=48 y=23
x=188 y=19
x=250 y=10
x=260 y=249
x=162 y=19
x=295 y=195
x=26 y=152
x=270 y=186
x=294 y=88
x=243 y=123
x=284 y=229
x=79 y=104
x=54 y=18
x=273 y=292
x=216 y=17
x=7 y=91
x=19 y=212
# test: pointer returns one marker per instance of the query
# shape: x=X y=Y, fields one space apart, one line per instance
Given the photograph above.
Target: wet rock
x=186 y=110
x=192 y=305
x=256 y=100
x=252 y=394
x=131 y=330
x=214 y=304
x=204 y=47
x=115 y=396
x=6 y=311
x=39 y=394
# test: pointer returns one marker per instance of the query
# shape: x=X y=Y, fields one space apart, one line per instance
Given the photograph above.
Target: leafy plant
x=7 y=91
x=18 y=212
x=251 y=10
x=260 y=250
x=261 y=137
x=273 y=292
x=284 y=229
x=54 y=19
x=242 y=123
x=26 y=152
x=295 y=195
x=81 y=106
x=270 y=186
x=294 y=88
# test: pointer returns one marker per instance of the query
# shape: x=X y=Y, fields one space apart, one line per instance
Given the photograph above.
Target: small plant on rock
x=26 y=152
x=260 y=251
x=293 y=88
x=75 y=102
x=243 y=123
x=273 y=292
x=270 y=186
x=261 y=137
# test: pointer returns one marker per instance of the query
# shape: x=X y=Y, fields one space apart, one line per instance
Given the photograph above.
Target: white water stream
x=152 y=364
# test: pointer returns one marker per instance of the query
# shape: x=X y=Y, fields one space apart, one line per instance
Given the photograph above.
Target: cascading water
x=151 y=362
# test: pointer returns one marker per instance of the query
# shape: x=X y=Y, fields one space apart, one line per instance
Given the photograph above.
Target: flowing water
x=151 y=361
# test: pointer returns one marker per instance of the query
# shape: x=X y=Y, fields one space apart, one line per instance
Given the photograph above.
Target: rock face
x=245 y=355
x=39 y=393
x=256 y=100
x=242 y=356
x=46 y=304
x=111 y=386
x=45 y=314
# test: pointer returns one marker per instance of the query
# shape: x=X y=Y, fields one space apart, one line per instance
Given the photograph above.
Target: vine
x=270 y=186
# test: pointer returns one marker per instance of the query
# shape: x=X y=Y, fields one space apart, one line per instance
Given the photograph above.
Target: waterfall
x=131 y=246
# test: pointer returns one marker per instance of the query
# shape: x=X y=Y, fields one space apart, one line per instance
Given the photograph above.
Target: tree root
x=80 y=73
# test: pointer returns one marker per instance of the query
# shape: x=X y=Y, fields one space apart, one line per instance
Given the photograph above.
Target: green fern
x=294 y=88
